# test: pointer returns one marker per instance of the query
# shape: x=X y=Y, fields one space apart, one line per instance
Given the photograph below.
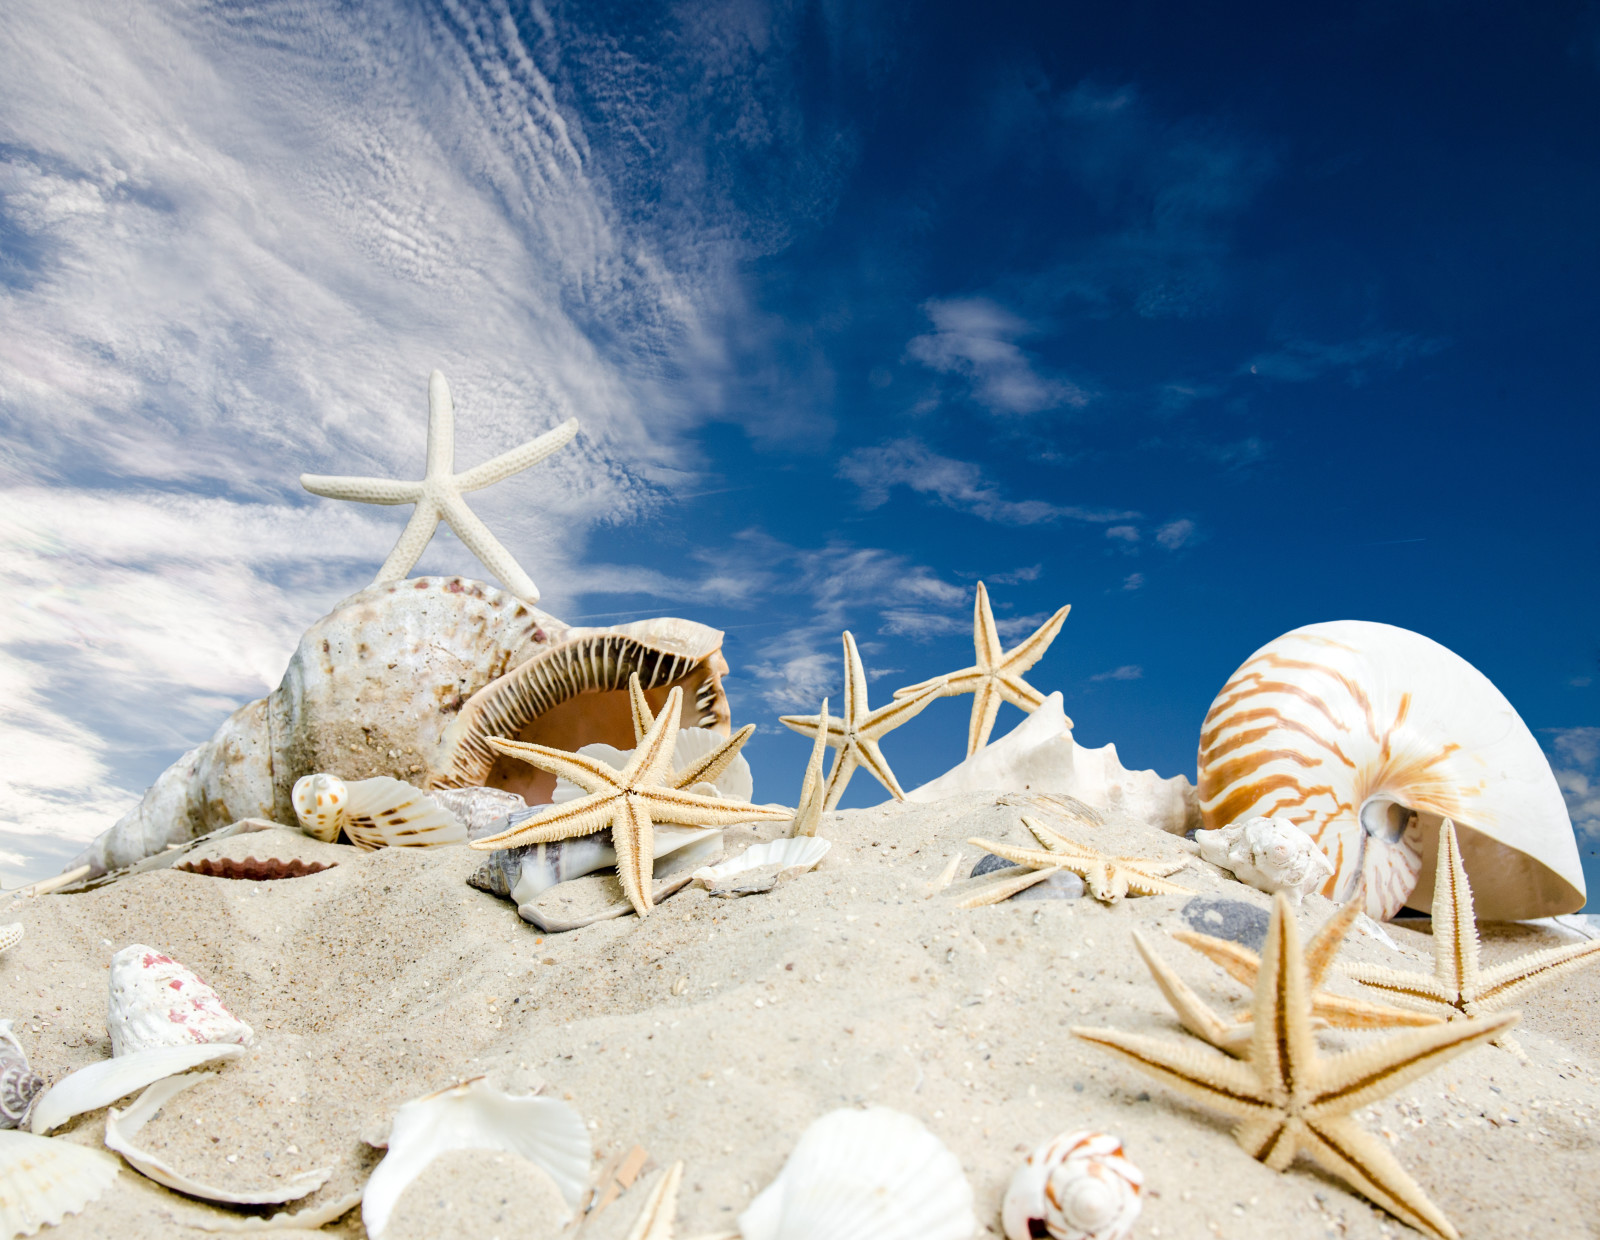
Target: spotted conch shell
x=1081 y=1186
x=155 y=1001
x=1367 y=736
x=375 y=813
x=1271 y=854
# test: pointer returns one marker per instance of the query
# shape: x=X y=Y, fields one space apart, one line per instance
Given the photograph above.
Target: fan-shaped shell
x=1366 y=736
x=100 y=1084
x=876 y=1174
x=19 y=1084
x=1081 y=1186
x=42 y=1181
x=155 y=1001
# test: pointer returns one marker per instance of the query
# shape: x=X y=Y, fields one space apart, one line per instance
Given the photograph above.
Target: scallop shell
x=43 y=1181
x=101 y=1084
x=876 y=1174
x=375 y=813
x=155 y=1001
x=472 y=1116
x=19 y=1084
x=253 y=869
x=1080 y=1186
x=1271 y=854
x=1366 y=737
x=782 y=858
x=10 y=936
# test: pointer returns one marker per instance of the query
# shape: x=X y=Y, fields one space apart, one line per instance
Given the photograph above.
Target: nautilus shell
x=1367 y=736
x=1081 y=1186
x=1271 y=854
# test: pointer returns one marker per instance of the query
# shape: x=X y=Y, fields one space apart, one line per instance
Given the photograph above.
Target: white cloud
x=1133 y=581
x=1123 y=533
x=1128 y=671
x=1577 y=769
x=977 y=339
x=1175 y=534
x=1298 y=361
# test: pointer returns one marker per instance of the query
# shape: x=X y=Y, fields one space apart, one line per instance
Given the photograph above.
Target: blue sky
x=1211 y=322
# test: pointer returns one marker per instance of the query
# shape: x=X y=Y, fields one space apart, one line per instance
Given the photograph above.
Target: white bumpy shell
x=375 y=813
x=875 y=1174
x=42 y=1181
x=155 y=1001
x=1367 y=736
x=1080 y=1186
x=1271 y=854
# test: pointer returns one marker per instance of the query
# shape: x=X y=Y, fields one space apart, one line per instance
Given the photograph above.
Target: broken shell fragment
x=101 y=1084
x=375 y=813
x=1080 y=1186
x=1270 y=854
x=155 y=1001
x=19 y=1084
x=10 y=936
x=43 y=1181
x=761 y=867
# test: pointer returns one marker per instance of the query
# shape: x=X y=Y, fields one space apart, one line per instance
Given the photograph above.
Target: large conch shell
x=407 y=680
x=1367 y=736
x=1271 y=854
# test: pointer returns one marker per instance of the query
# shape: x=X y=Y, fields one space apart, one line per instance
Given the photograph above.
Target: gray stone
x=1228 y=919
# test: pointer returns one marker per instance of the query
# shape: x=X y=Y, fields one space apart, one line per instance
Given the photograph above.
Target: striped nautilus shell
x=1367 y=736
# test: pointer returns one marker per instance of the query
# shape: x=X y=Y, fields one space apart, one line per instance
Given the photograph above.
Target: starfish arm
x=808 y=809
x=710 y=768
x=1054 y=841
x=690 y=809
x=1033 y=857
x=1234 y=959
x=1150 y=867
x=855 y=684
x=518 y=459
x=1455 y=926
x=1198 y=1072
x=844 y=766
x=441 y=427
x=1020 y=658
x=413 y=541
x=955 y=684
x=1501 y=986
x=1347 y=1082
x=491 y=554
x=1269 y=1139
x=590 y=774
x=1419 y=990
x=1282 y=1047
x=652 y=758
x=1145 y=885
x=985 y=707
x=875 y=724
x=643 y=718
x=633 y=838
x=985 y=636
x=1193 y=1013
x=1346 y=1012
x=362 y=490
x=1358 y=1158
x=872 y=759
x=1005 y=888
x=1020 y=693
x=808 y=725
x=584 y=816
x=1324 y=945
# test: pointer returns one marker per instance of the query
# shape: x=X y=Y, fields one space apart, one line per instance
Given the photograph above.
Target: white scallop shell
x=792 y=855
x=1271 y=854
x=472 y=1116
x=43 y=1181
x=101 y=1084
x=1081 y=1186
x=123 y=1126
x=1366 y=736
x=10 y=936
x=19 y=1084
x=375 y=813
x=876 y=1174
x=155 y=1001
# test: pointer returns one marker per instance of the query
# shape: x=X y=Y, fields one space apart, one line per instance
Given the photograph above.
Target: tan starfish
x=1340 y=1011
x=997 y=675
x=857 y=732
x=808 y=812
x=439 y=494
x=704 y=770
x=1458 y=987
x=1106 y=878
x=656 y=1218
x=627 y=802
x=1289 y=1099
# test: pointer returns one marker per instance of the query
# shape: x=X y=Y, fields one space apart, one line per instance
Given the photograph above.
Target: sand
x=716 y=1030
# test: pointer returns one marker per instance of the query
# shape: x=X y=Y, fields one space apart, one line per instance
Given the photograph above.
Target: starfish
x=628 y=802
x=857 y=732
x=1288 y=1099
x=704 y=770
x=1244 y=965
x=439 y=494
x=1107 y=878
x=655 y=1220
x=808 y=813
x=997 y=674
x=1458 y=987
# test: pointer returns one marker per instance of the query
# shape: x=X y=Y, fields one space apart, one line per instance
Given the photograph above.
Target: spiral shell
x=19 y=1084
x=1367 y=736
x=375 y=813
x=1078 y=1187
x=1271 y=854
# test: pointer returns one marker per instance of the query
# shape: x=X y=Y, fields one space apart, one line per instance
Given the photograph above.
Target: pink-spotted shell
x=155 y=1001
x=1078 y=1187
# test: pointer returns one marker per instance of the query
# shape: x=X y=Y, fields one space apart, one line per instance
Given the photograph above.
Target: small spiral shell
x=1078 y=1187
x=19 y=1084
x=319 y=802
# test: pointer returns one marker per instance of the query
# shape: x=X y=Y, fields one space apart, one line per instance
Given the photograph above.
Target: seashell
x=1040 y=756
x=1271 y=854
x=43 y=1181
x=1367 y=736
x=155 y=1001
x=101 y=1084
x=521 y=874
x=375 y=813
x=482 y=811
x=10 y=936
x=253 y=869
x=19 y=1084
x=311 y=1218
x=761 y=867
x=875 y=1174
x=472 y=1116
x=735 y=783
x=1078 y=1187
x=123 y=1126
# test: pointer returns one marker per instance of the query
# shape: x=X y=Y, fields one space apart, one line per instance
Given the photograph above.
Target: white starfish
x=439 y=494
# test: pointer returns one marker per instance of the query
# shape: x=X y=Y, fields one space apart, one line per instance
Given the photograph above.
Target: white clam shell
x=876 y=1174
x=43 y=1181
x=1366 y=736
x=792 y=854
x=155 y=1001
x=1080 y=1186
x=1271 y=854
x=101 y=1084
x=475 y=1117
x=375 y=813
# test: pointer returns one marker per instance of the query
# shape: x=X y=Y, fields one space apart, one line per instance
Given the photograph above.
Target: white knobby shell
x=1367 y=736
x=42 y=1181
x=793 y=854
x=155 y=1001
x=1271 y=854
x=875 y=1174
x=472 y=1116
x=101 y=1084
x=10 y=936
x=1080 y=1186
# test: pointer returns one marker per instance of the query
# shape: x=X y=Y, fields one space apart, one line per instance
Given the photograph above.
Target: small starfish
x=856 y=734
x=1243 y=965
x=997 y=674
x=1458 y=988
x=705 y=770
x=439 y=494
x=808 y=813
x=1288 y=1099
x=628 y=802
x=1107 y=878
x=655 y=1220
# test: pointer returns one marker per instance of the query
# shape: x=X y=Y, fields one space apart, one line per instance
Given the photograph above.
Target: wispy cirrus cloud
x=1300 y=361
x=976 y=339
x=1128 y=671
x=1577 y=768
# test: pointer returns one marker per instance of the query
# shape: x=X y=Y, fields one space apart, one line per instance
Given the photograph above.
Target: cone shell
x=1366 y=737
x=19 y=1084
x=1081 y=1186
x=155 y=1001
x=42 y=1181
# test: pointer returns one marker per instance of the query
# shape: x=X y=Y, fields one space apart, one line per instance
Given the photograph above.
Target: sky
x=1211 y=322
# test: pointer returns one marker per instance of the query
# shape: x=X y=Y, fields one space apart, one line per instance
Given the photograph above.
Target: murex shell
x=1367 y=736
x=19 y=1084
x=155 y=1001
x=1271 y=854
x=407 y=679
x=1081 y=1186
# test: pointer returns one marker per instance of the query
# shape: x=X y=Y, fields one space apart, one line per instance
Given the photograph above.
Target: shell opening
x=1385 y=819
